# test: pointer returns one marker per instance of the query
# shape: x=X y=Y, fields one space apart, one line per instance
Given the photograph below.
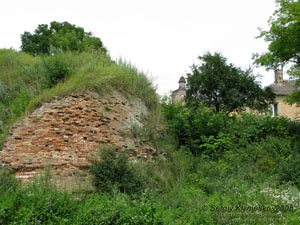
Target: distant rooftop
x=182 y=80
x=284 y=87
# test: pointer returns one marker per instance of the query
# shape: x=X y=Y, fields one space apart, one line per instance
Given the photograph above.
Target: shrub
x=197 y=128
x=249 y=128
x=113 y=172
x=7 y=180
x=165 y=172
x=38 y=202
x=117 y=209
x=203 y=132
x=44 y=205
x=289 y=169
x=273 y=157
x=57 y=69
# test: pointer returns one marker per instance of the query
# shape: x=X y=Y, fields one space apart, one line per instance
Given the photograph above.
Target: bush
x=57 y=69
x=38 y=202
x=196 y=127
x=118 y=209
x=165 y=172
x=273 y=157
x=249 y=128
x=289 y=169
x=203 y=132
x=44 y=205
x=7 y=180
x=113 y=172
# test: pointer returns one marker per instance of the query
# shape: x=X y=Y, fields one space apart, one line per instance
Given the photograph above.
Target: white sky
x=160 y=37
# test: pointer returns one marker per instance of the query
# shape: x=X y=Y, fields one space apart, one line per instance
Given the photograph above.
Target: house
x=179 y=94
x=281 y=89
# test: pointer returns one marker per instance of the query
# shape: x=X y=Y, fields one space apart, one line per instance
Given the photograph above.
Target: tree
x=64 y=36
x=225 y=87
x=283 y=37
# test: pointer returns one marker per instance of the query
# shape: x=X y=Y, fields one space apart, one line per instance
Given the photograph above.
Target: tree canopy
x=64 y=36
x=283 y=37
x=225 y=87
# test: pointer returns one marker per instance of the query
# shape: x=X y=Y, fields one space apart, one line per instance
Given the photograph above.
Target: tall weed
x=112 y=172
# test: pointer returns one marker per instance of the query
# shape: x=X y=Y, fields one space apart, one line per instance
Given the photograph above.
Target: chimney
x=278 y=76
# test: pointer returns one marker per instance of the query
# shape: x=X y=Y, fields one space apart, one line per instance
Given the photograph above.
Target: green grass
x=258 y=168
x=26 y=81
x=181 y=189
x=96 y=72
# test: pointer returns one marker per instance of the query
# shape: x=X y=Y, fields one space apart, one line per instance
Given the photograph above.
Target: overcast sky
x=163 y=38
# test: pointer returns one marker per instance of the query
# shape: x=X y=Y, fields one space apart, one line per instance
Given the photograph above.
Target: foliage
x=243 y=177
x=284 y=42
x=57 y=69
x=37 y=203
x=197 y=128
x=261 y=158
x=283 y=35
x=127 y=79
x=164 y=173
x=225 y=87
x=19 y=82
x=64 y=36
x=112 y=172
x=203 y=132
x=118 y=209
x=249 y=128
x=7 y=180
x=218 y=160
x=27 y=81
x=289 y=168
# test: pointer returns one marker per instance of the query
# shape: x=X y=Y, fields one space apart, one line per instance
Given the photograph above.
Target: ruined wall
x=65 y=132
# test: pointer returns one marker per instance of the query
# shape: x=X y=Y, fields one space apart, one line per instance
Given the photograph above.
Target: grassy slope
x=25 y=81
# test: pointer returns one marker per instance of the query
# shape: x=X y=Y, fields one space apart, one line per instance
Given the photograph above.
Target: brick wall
x=65 y=132
x=284 y=109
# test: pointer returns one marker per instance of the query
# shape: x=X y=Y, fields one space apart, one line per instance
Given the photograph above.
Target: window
x=273 y=109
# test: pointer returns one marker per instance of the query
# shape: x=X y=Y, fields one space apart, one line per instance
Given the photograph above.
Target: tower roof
x=182 y=80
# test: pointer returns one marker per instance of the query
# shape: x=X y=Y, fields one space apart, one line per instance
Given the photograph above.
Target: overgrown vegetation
x=216 y=168
x=203 y=132
x=225 y=87
x=27 y=81
x=112 y=172
x=180 y=189
x=212 y=160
